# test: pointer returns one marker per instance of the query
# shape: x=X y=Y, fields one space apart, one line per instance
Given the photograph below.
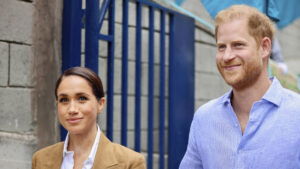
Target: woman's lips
x=74 y=120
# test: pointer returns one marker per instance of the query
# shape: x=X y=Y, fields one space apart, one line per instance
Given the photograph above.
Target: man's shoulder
x=211 y=106
x=289 y=94
x=290 y=99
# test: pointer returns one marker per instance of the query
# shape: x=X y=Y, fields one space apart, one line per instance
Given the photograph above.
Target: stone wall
x=29 y=63
x=17 y=109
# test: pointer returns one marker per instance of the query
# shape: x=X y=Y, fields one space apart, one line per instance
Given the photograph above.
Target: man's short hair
x=259 y=25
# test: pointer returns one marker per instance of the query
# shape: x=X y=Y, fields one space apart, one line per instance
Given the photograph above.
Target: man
x=256 y=125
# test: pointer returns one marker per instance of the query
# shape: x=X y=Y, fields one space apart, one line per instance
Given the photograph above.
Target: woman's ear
x=266 y=45
x=101 y=103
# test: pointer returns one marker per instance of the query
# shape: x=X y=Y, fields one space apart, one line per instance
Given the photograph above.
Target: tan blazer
x=109 y=156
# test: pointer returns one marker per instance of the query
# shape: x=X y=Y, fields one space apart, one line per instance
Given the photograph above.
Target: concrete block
x=204 y=36
x=205 y=58
x=21 y=62
x=103 y=48
x=144 y=79
x=131 y=78
x=145 y=69
x=145 y=17
x=144 y=141
x=102 y=72
x=82 y=41
x=131 y=42
x=16 y=109
x=117 y=113
x=16 y=24
x=118 y=40
x=196 y=7
x=207 y=86
x=118 y=11
x=4 y=59
x=16 y=153
x=145 y=46
x=117 y=76
x=200 y=102
x=132 y=14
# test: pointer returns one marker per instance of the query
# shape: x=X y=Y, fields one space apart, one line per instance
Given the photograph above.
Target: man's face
x=238 y=57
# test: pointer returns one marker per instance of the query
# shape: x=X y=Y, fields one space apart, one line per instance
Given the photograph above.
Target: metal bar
x=91 y=35
x=171 y=104
x=124 y=74
x=150 y=87
x=110 y=71
x=71 y=40
x=181 y=65
x=156 y=6
x=162 y=91
x=104 y=8
x=138 y=79
x=105 y=37
x=71 y=31
x=82 y=16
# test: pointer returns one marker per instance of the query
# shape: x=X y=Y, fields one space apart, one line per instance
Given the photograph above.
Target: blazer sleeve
x=33 y=162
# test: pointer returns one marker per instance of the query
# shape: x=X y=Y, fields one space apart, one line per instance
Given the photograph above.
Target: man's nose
x=228 y=55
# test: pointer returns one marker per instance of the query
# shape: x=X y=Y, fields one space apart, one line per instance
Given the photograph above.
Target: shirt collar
x=94 y=148
x=272 y=95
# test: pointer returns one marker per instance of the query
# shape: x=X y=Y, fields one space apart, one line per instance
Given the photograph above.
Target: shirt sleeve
x=192 y=159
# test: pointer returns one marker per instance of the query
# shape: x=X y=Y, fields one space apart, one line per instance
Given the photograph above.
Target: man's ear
x=266 y=46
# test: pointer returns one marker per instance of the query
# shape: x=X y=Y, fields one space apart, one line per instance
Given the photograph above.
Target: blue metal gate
x=180 y=67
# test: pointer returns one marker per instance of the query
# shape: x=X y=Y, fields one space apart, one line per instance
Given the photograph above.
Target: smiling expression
x=77 y=105
x=238 y=57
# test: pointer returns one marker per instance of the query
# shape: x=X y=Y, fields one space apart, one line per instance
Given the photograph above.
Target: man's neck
x=243 y=99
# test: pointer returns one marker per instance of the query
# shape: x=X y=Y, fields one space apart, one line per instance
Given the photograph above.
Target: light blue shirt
x=271 y=139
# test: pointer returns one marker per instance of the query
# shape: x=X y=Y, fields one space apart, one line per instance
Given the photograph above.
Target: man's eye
x=221 y=47
x=238 y=44
x=63 y=100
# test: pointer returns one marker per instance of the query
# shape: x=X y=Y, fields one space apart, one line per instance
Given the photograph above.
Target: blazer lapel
x=105 y=157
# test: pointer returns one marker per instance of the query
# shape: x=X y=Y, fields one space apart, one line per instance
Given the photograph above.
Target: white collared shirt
x=68 y=160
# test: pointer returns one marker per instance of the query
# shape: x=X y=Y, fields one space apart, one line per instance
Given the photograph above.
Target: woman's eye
x=63 y=100
x=82 y=98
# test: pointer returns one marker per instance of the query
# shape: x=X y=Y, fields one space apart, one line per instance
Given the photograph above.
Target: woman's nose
x=73 y=108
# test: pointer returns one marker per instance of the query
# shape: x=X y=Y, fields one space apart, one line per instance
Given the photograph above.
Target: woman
x=80 y=98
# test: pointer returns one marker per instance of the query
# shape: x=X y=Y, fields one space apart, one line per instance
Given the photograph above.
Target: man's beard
x=245 y=77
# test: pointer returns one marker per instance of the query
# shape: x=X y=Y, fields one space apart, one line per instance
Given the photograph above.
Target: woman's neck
x=82 y=142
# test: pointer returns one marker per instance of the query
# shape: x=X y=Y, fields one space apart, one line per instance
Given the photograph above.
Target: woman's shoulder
x=131 y=158
x=122 y=155
x=49 y=150
x=122 y=150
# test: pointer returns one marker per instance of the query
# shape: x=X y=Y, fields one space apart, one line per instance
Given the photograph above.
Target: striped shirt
x=271 y=139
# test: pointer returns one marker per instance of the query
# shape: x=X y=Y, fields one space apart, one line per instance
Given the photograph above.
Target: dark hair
x=90 y=76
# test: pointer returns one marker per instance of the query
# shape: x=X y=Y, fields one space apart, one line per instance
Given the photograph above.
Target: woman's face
x=77 y=105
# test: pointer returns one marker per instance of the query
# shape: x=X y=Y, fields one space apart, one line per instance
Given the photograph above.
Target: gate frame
x=181 y=50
